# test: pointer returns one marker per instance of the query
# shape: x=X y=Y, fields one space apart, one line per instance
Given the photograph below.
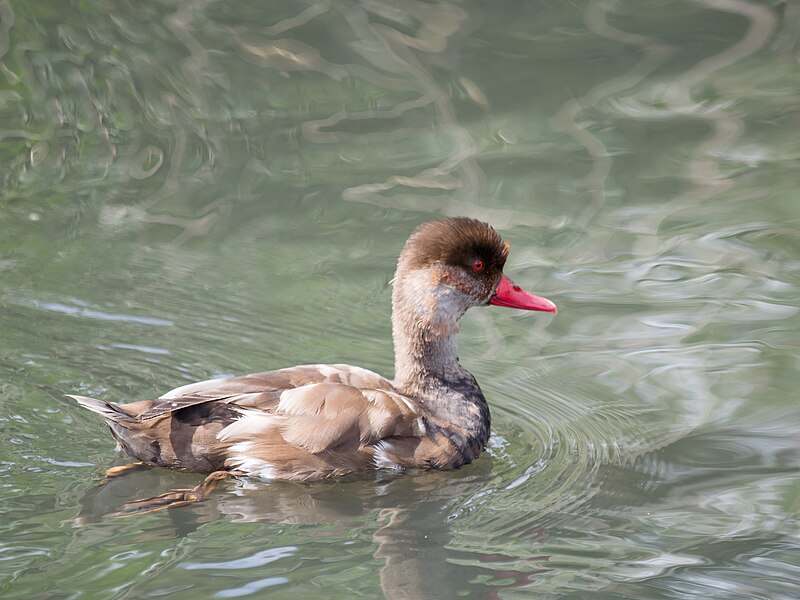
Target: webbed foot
x=175 y=498
x=123 y=469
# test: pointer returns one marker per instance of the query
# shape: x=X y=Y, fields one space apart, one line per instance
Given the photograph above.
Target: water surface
x=207 y=188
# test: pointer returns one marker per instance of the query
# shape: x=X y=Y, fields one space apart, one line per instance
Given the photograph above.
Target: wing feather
x=322 y=429
x=261 y=390
x=307 y=422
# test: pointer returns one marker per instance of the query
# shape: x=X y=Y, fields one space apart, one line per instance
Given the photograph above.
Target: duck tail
x=110 y=411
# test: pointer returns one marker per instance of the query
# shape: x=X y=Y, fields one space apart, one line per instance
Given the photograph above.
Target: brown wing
x=260 y=390
x=303 y=423
x=182 y=429
x=319 y=430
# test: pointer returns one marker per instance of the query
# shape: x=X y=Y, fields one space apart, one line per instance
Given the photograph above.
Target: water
x=198 y=189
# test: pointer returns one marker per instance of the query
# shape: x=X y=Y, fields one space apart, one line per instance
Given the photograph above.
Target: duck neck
x=425 y=322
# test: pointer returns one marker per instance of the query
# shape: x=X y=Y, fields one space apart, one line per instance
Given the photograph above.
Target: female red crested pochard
x=313 y=422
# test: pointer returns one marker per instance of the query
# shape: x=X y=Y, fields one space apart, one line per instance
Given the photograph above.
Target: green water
x=199 y=189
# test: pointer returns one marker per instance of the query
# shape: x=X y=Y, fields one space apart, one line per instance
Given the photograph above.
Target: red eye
x=478 y=265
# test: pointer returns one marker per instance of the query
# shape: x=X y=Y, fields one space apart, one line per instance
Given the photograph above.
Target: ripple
x=251 y=587
x=560 y=439
x=84 y=311
x=258 y=559
x=212 y=188
x=137 y=348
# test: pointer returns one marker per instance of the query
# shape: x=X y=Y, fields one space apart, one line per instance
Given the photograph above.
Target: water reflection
x=405 y=518
x=201 y=188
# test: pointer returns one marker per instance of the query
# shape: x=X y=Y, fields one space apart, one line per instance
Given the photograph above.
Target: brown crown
x=455 y=241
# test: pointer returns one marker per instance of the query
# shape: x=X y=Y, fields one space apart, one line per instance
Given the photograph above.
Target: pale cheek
x=440 y=297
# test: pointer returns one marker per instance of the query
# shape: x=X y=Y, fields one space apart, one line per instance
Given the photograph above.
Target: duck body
x=314 y=422
x=302 y=423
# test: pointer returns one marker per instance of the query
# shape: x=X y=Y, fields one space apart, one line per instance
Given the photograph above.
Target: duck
x=319 y=421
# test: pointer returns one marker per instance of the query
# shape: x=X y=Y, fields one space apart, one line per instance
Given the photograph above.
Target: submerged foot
x=175 y=498
x=124 y=469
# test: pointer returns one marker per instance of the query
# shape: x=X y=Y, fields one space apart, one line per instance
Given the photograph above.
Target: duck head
x=446 y=267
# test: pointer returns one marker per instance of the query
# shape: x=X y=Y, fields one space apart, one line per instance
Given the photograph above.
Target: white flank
x=254 y=467
x=381 y=458
x=252 y=422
